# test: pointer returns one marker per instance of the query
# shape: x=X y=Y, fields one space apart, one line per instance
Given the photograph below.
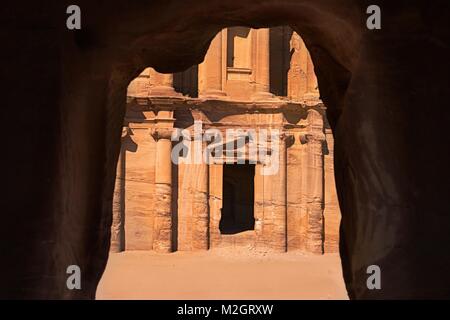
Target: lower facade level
x=185 y=182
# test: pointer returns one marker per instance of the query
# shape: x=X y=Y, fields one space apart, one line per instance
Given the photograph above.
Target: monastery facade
x=274 y=192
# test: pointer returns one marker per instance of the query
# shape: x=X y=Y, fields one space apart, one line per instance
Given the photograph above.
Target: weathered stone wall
x=139 y=189
x=295 y=208
x=332 y=214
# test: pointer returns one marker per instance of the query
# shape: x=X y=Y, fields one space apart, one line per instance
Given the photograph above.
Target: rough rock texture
x=386 y=93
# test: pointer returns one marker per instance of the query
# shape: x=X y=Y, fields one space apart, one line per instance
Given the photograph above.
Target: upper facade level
x=241 y=64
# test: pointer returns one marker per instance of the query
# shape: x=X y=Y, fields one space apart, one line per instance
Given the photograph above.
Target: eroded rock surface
x=386 y=92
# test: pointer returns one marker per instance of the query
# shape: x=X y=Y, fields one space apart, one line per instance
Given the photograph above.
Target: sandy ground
x=221 y=275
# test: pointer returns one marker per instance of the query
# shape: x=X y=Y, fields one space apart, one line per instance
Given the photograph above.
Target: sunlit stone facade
x=251 y=80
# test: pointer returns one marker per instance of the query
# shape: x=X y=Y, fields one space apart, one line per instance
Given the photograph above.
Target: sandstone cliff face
x=386 y=92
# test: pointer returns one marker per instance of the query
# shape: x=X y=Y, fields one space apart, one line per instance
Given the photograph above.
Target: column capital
x=312 y=136
x=286 y=136
x=125 y=131
x=161 y=133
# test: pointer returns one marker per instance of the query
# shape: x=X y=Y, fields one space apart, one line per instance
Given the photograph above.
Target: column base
x=162 y=249
x=114 y=248
x=314 y=246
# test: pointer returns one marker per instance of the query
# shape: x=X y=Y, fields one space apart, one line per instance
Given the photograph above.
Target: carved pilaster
x=117 y=227
x=315 y=175
x=262 y=66
x=199 y=185
x=162 y=238
x=279 y=198
x=210 y=71
x=200 y=210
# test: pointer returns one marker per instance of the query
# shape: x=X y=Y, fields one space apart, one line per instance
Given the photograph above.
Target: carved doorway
x=238 y=198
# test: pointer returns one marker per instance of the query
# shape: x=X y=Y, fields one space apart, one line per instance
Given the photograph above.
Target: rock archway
x=385 y=91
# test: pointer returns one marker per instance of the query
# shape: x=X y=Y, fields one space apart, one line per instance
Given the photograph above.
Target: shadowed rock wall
x=64 y=100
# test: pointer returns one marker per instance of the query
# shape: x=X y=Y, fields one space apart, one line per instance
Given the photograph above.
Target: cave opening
x=251 y=80
x=238 y=198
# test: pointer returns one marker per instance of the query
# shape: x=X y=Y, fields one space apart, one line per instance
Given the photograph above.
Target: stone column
x=279 y=198
x=161 y=84
x=117 y=227
x=162 y=239
x=295 y=239
x=315 y=175
x=200 y=206
x=210 y=71
x=215 y=203
x=262 y=65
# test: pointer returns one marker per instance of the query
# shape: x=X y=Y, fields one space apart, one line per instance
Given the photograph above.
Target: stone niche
x=259 y=81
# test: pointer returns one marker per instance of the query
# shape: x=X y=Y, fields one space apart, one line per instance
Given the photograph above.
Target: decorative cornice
x=223 y=104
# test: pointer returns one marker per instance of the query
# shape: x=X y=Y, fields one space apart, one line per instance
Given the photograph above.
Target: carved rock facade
x=251 y=81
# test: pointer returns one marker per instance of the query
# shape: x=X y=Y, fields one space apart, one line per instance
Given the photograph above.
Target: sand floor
x=219 y=274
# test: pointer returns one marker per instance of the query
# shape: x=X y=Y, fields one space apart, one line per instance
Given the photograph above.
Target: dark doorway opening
x=238 y=198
